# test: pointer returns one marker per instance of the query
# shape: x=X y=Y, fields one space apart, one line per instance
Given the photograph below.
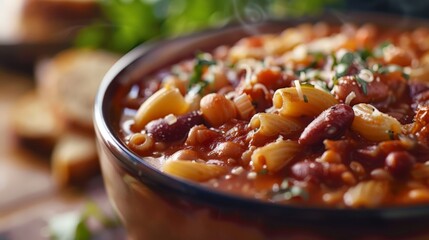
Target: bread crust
x=35 y=124
x=56 y=118
x=74 y=159
x=70 y=80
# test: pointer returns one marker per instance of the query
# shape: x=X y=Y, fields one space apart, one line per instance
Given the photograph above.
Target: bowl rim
x=207 y=195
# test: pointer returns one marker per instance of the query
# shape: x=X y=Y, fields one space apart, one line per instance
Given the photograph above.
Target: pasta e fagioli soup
x=316 y=115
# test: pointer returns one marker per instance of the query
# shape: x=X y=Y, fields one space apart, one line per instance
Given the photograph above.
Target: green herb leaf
x=364 y=54
x=305 y=98
x=312 y=65
x=196 y=77
x=64 y=226
x=334 y=81
x=378 y=51
x=363 y=84
x=334 y=61
x=82 y=231
x=341 y=70
x=317 y=56
x=306 y=84
x=93 y=210
x=391 y=134
x=348 y=58
x=384 y=44
x=73 y=226
x=390 y=68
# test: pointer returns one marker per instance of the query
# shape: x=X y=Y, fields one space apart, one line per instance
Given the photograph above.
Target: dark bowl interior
x=329 y=222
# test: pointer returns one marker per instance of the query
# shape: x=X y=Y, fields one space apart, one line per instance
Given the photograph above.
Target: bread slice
x=70 y=81
x=55 y=20
x=34 y=122
x=74 y=159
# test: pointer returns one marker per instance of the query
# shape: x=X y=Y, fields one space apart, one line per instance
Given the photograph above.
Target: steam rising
x=252 y=13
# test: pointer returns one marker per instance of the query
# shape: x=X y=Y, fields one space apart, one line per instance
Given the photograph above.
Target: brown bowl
x=153 y=205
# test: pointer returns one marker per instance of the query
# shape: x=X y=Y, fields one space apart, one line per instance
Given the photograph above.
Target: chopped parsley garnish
x=348 y=58
x=346 y=62
x=406 y=76
x=334 y=61
x=196 y=78
x=317 y=56
x=324 y=85
x=200 y=86
x=364 y=54
x=378 y=68
x=307 y=84
x=384 y=44
x=363 y=84
x=378 y=51
x=305 y=98
x=335 y=80
x=341 y=70
x=391 y=134
x=312 y=65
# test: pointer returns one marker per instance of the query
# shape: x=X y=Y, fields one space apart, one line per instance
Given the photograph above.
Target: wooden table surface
x=28 y=195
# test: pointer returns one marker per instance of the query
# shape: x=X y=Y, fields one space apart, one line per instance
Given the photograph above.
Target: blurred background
x=53 y=55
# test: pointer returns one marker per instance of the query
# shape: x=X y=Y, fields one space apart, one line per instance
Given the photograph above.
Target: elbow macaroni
x=191 y=170
x=366 y=194
x=244 y=106
x=312 y=103
x=373 y=124
x=269 y=124
x=141 y=142
x=165 y=101
x=274 y=155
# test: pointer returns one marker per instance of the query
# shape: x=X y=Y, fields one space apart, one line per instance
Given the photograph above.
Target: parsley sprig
x=349 y=59
x=196 y=79
x=379 y=50
x=75 y=225
x=363 y=84
x=380 y=69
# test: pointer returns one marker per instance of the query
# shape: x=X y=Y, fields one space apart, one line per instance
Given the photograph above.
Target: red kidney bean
x=420 y=99
x=399 y=163
x=330 y=124
x=330 y=174
x=165 y=132
x=416 y=88
x=308 y=171
x=370 y=157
